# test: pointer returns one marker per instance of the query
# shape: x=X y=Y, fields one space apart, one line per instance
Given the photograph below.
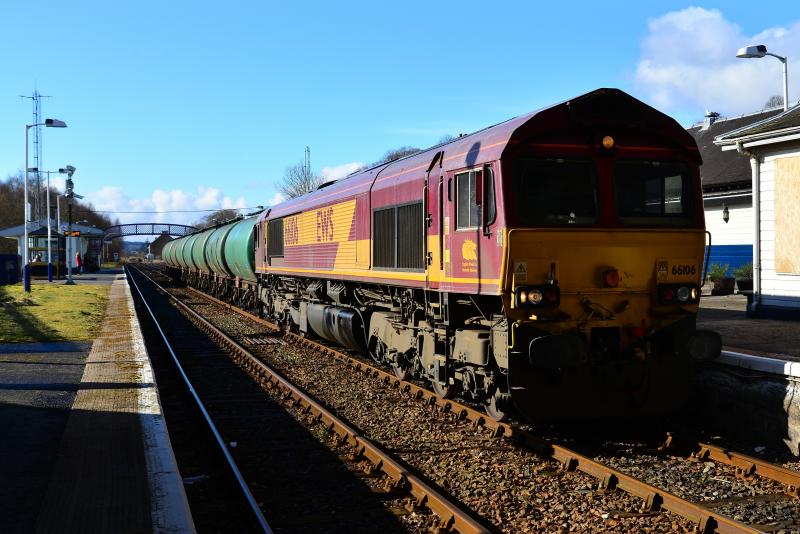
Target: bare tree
x=397 y=153
x=446 y=139
x=218 y=217
x=299 y=180
x=775 y=101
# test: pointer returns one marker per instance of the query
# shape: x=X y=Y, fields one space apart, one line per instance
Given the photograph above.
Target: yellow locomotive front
x=603 y=265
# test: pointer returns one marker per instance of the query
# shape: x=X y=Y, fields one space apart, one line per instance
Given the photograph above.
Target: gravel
x=507 y=486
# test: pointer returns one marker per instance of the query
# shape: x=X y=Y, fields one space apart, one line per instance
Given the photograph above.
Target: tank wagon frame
x=553 y=260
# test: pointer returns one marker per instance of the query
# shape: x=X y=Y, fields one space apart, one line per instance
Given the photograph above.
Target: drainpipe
x=755 y=165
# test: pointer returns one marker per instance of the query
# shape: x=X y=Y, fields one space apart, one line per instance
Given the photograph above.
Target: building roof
x=785 y=123
x=35 y=228
x=725 y=170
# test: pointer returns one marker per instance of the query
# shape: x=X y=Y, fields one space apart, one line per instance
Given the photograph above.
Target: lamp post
x=759 y=51
x=26 y=270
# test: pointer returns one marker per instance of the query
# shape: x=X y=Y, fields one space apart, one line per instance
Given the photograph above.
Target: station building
x=727 y=189
x=771 y=148
x=89 y=243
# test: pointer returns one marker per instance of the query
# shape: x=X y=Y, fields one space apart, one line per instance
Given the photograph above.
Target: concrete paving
x=763 y=337
x=38 y=384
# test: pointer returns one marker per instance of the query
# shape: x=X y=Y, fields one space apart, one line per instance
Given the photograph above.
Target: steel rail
x=746 y=466
x=451 y=515
x=262 y=521
x=655 y=498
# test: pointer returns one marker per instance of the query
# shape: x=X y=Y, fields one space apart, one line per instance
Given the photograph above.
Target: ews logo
x=325 y=224
x=291 y=233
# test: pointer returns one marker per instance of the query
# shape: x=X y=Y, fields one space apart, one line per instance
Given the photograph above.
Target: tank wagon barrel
x=218 y=260
x=550 y=264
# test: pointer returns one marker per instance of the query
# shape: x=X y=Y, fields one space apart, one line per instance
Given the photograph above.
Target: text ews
x=325 y=224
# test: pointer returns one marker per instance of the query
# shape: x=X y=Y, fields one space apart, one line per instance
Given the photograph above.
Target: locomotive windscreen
x=653 y=192
x=555 y=192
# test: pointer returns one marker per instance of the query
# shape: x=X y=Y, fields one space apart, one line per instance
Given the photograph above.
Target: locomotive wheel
x=401 y=372
x=446 y=391
x=498 y=406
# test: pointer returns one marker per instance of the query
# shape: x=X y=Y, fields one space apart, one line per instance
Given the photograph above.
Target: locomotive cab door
x=465 y=232
x=432 y=213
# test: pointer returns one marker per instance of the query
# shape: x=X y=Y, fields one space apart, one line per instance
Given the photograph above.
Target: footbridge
x=124 y=230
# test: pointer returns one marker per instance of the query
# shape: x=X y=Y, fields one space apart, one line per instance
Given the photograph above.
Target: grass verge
x=51 y=312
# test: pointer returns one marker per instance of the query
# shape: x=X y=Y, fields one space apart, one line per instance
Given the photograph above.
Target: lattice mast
x=38 y=192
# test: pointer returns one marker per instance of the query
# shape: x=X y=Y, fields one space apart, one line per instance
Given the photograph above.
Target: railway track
x=389 y=479
x=706 y=516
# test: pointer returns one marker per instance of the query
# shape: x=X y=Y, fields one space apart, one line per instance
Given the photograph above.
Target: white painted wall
x=737 y=231
x=777 y=289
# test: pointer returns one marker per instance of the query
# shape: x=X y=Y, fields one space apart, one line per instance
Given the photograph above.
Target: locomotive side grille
x=385 y=238
x=275 y=239
x=398 y=235
x=409 y=236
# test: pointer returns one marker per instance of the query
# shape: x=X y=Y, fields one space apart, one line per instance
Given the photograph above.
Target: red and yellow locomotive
x=552 y=262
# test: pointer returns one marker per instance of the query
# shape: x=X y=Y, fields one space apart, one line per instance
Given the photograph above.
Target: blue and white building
x=727 y=189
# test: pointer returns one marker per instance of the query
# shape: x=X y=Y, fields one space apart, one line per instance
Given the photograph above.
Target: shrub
x=717 y=271
x=744 y=271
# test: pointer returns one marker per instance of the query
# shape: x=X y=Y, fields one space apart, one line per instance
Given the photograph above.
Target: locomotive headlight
x=608 y=142
x=683 y=294
x=678 y=293
x=535 y=296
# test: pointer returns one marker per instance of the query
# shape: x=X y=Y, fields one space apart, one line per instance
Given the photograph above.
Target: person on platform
x=78 y=263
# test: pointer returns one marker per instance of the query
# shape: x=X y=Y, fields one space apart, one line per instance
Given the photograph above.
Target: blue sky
x=196 y=105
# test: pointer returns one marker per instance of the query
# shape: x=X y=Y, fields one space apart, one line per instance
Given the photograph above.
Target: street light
x=49 y=230
x=26 y=271
x=759 y=51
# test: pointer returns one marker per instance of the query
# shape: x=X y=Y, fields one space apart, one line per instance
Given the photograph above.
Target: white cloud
x=340 y=171
x=688 y=62
x=277 y=198
x=113 y=199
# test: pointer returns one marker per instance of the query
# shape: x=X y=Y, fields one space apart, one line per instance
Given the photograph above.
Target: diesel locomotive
x=550 y=264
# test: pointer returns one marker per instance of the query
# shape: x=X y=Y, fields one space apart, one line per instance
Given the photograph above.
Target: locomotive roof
x=605 y=106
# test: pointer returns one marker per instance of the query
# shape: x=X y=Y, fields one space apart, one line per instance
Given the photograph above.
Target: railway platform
x=86 y=446
x=754 y=386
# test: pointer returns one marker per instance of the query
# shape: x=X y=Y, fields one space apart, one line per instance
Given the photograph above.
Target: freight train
x=550 y=264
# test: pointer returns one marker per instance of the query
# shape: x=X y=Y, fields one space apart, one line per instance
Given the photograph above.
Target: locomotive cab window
x=653 y=192
x=555 y=192
x=468 y=209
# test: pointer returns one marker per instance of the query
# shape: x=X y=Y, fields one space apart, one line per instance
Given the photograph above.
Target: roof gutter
x=787 y=134
x=755 y=165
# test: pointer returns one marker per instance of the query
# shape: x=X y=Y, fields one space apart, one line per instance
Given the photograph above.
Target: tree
x=299 y=180
x=446 y=139
x=218 y=217
x=775 y=101
x=397 y=153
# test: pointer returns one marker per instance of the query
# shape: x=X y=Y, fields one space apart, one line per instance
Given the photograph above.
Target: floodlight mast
x=759 y=51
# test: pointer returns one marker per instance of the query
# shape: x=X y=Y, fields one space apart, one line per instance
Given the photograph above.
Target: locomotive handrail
x=708 y=257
